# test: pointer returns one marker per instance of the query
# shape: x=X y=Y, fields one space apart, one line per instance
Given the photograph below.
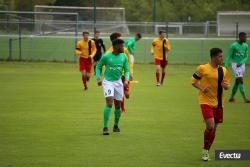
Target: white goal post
x=229 y=22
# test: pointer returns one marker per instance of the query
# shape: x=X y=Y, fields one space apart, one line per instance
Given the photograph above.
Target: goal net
x=228 y=23
x=108 y=19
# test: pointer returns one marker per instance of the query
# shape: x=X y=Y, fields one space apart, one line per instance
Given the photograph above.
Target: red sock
x=157 y=74
x=122 y=105
x=206 y=139
x=209 y=135
x=84 y=80
x=162 y=77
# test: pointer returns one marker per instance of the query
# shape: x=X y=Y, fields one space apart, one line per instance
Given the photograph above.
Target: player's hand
x=238 y=65
x=225 y=85
x=131 y=77
x=99 y=82
x=125 y=83
x=204 y=90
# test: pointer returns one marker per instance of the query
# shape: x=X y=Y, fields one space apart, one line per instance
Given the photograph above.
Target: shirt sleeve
x=98 y=68
x=168 y=46
x=226 y=76
x=126 y=69
x=244 y=61
x=197 y=75
x=152 y=47
x=93 y=49
x=229 y=56
x=78 y=51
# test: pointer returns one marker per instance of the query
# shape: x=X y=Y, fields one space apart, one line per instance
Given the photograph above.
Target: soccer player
x=86 y=50
x=115 y=62
x=160 y=49
x=210 y=79
x=238 y=55
x=114 y=36
x=99 y=46
x=130 y=45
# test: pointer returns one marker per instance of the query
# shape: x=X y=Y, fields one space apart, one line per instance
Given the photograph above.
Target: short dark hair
x=242 y=34
x=117 y=42
x=139 y=35
x=85 y=32
x=115 y=35
x=214 y=52
x=161 y=32
x=97 y=32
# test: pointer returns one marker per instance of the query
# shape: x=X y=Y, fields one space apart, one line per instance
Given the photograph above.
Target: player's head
x=114 y=36
x=97 y=34
x=242 y=37
x=118 y=45
x=162 y=34
x=216 y=56
x=85 y=35
x=137 y=37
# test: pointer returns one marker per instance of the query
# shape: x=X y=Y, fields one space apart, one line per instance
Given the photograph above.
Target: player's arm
x=103 y=46
x=229 y=56
x=129 y=63
x=197 y=76
x=244 y=61
x=130 y=46
x=126 y=71
x=226 y=80
x=78 y=51
x=152 y=48
x=168 y=48
x=93 y=49
x=98 y=70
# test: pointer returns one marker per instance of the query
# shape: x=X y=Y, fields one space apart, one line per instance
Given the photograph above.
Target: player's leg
x=163 y=70
x=89 y=68
x=109 y=96
x=208 y=116
x=118 y=96
x=157 y=73
x=84 y=79
x=234 y=90
x=241 y=71
x=126 y=93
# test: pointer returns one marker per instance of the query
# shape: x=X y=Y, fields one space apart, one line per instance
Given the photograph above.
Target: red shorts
x=127 y=88
x=210 y=112
x=85 y=64
x=162 y=63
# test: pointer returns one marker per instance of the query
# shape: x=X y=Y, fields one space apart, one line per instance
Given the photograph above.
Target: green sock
x=234 y=90
x=242 y=91
x=106 y=115
x=117 y=115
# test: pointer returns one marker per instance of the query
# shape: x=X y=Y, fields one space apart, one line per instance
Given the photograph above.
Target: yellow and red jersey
x=157 y=48
x=208 y=78
x=82 y=48
x=128 y=56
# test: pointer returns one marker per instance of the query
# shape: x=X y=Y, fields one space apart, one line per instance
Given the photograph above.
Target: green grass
x=62 y=49
x=47 y=120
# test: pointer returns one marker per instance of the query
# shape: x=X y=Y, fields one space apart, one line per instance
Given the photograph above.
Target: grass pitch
x=46 y=119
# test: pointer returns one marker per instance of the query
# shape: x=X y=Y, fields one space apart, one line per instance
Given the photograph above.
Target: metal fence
x=25 y=38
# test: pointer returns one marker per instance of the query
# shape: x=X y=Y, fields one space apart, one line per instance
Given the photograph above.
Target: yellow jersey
x=157 y=48
x=208 y=78
x=82 y=48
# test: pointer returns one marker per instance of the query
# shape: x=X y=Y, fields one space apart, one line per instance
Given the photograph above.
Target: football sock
x=157 y=74
x=106 y=115
x=84 y=80
x=162 y=77
x=242 y=91
x=209 y=136
x=234 y=90
x=123 y=105
x=117 y=115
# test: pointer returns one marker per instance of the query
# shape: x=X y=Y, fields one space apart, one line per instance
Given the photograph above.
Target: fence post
x=10 y=49
x=19 y=41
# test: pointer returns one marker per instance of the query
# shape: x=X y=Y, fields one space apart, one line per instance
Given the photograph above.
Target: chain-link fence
x=22 y=37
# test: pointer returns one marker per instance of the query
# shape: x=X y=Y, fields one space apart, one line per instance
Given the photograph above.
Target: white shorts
x=238 y=71
x=132 y=59
x=113 y=89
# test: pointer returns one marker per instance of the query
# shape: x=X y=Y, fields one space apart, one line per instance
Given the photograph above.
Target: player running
x=210 y=79
x=115 y=62
x=238 y=55
x=86 y=50
x=130 y=45
x=99 y=46
x=114 y=36
x=160 y=49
